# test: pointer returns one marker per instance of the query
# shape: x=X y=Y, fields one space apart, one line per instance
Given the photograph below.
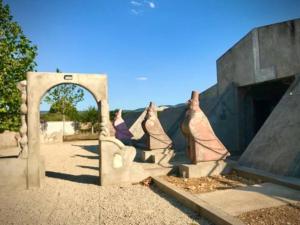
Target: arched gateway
x=116 y=161
x=28 y=169
x=37 y=85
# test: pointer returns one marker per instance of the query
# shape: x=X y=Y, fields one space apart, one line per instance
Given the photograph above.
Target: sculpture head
x=118 y=114
x=151 y=111
x=194 y=101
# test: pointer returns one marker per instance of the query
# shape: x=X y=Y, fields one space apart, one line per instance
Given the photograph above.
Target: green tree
x=70 y=111
x=90 y=115
x=63 y=99
x=17 y=56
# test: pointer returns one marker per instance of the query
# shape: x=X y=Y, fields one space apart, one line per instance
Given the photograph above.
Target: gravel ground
x=70 y=195
x=286 y=214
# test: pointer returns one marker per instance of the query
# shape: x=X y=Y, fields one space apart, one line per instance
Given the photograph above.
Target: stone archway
x=27 y=170
x=37 y=85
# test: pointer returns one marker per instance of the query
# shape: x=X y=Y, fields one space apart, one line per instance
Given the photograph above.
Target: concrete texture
x=252 y=173
x=170 y=120
x=203 y=169
x=158 y=156
x=265 y=53
x=275 y=148
x=207 y=210
x=117 y=165
x=245 y=199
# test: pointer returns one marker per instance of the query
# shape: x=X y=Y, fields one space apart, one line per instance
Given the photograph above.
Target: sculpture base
x=203 y=169
x=157 y=156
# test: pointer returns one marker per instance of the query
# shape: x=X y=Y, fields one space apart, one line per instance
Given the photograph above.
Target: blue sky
x=156 y=50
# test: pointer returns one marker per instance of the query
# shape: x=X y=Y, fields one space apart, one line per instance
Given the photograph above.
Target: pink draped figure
x=202 y=143
x=155 y=134
x=121 y=130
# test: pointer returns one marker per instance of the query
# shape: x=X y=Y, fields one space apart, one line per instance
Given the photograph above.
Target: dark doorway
x=256 y=104
x=262 y=110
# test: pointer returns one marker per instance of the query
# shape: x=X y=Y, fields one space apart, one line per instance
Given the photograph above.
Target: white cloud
x=142 y=78
x=139 y=6
x=151 y=5
x=136 y=11
x=135 y=3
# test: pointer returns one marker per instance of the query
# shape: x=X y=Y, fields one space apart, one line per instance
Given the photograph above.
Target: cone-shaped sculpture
x=155 y=134
x=202 y=143
x=121 y=129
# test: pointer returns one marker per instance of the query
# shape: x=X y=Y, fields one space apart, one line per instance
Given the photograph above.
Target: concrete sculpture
x=22 y=86
x=121 y=130
x=202 y=143
x=155 y=134
x=117 y=165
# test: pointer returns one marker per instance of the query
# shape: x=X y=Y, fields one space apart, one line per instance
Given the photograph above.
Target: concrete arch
x=78 y=85
x=38 y=84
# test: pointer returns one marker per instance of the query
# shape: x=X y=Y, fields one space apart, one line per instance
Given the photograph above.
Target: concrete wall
x=58 y=127
x=265 y=53
x=170 y=120
x=279 y=48
x=236 y=65
x=275 y=148
x=52 y=132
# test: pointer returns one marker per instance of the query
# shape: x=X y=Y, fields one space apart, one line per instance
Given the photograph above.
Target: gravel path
x=70 y=195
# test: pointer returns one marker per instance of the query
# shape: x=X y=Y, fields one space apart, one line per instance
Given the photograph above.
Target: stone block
x=203 y=169
x=117 y=166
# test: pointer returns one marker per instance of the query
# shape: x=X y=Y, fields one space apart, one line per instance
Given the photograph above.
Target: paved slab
x=245 y=199
x=214 y=214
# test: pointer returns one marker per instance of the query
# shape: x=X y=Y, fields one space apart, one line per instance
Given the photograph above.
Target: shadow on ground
x=89 y=167
x=89 y=148
x=86 y=156
x=84 y=179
